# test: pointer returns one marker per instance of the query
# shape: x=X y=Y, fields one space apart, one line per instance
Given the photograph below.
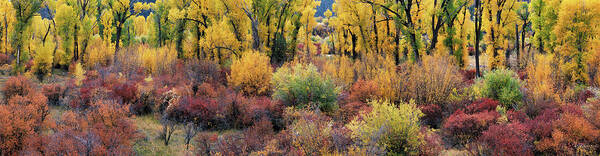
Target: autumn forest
x=300 y=77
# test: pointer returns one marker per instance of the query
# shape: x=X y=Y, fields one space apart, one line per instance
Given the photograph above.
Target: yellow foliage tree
x=220 y=42
x=43 y=59
x=500 y=18
x=577 y=25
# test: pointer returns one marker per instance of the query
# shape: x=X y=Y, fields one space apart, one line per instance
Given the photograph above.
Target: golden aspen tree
x=24 y=12
x=307 y=10
x=7 y=14
x=522 y=13
x=408 y=17
x=577 y=25
x=458 y=29
x=499 y=20
x=220 y=42
x=65 y=19
x=84 y=14
x=351 y=27
x=121 y=11
x=544 y=15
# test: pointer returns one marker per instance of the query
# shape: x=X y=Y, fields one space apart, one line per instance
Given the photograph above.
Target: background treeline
x=272 y=77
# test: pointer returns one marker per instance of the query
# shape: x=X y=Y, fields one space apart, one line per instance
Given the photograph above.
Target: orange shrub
x=17 y=85
x=14 y=130
x=571 y=135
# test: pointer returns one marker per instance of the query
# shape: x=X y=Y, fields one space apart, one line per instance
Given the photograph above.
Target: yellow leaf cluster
x=99 y=52
x=79 y=73
x=43 y=59
x=156 y=60
x=340 y=69
x=540 y=81
x=252 y=73
x=386 y=123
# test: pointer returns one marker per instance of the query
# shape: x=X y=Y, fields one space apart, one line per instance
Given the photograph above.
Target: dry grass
x=152 y=144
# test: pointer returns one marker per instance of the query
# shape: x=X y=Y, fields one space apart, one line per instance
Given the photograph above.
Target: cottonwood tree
x=121 y=11
x=24 y=12
x=500 y=18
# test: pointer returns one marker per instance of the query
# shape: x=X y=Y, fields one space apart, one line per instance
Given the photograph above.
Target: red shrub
x=468 y=75
x=535 y=109
x=204 y=142
x=127 y=91
x=104 y=130
x=4 y=59
x=582 y=96
x=231 y=144
x=207 y=90
x=571 y=135
x=14 y=130
x=522 y=74
x=203 y=72
x=433 y=114
x=432 y=145
x=350 y=110
x=341 y=137
x=17 y=85
x=145 y=103
x=54 y=92
x=259 y=134
x=571 y=109
x=465 y=127
x=508 y=139
x=255 y=109
x=593 y=112
x=541 y=125
x=484 y=104
x=517 y=116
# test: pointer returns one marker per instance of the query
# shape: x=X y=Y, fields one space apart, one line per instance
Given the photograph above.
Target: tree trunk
x=75 y=45
x=256 y=43
x=375 y=29
x=118 y=41
x=198 y=42
x=477 y=35
x=179 y=38
x=414 y=46
x=397 y=48
x=160 y=41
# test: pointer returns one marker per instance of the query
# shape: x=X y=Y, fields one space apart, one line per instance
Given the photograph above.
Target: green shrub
x=502 y=85
x=302 y=86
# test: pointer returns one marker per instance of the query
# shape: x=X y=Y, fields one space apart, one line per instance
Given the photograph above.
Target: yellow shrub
x=368 y=68
x=389 y=126
x=540 y=81
x=43 y=59
x=434 y=81
x=99 y=52
x=341 y=70
x=495 y=62
x=251 y=74
x=155 y=60
x=79 y=73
